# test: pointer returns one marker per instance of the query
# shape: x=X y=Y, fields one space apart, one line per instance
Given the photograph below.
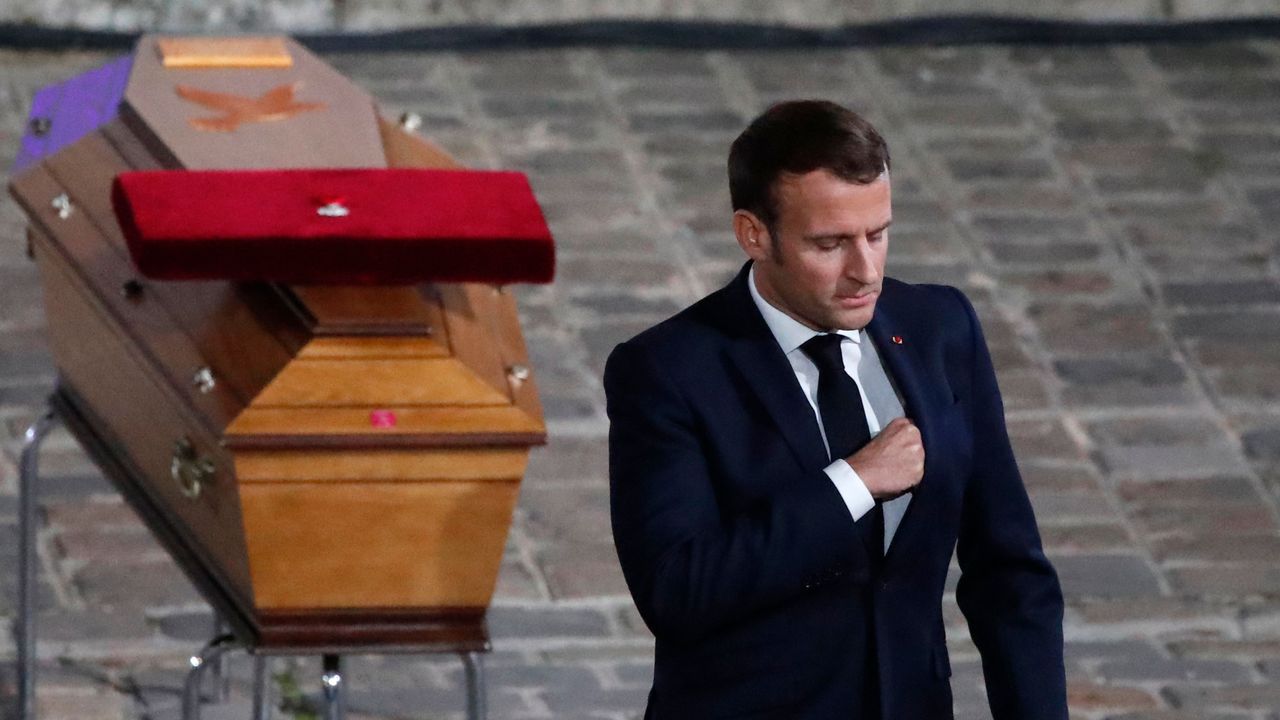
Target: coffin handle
x=190 y=471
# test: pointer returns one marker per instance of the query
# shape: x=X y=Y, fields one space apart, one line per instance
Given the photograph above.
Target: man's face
x=825 y=268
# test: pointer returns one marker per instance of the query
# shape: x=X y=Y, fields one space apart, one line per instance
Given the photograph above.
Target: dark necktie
x=845 y=423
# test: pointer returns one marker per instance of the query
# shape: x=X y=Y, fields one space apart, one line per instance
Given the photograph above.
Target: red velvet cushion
x=400 y=226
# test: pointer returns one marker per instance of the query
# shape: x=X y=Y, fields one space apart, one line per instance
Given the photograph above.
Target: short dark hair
x=797 y=137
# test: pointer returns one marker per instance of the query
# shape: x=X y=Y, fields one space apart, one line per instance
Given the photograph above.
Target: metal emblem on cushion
x=333 y=209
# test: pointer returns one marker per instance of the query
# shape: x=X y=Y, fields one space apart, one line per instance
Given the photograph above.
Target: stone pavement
x=1113 y=213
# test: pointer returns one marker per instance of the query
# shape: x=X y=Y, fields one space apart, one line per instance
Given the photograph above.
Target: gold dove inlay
x=276 y=104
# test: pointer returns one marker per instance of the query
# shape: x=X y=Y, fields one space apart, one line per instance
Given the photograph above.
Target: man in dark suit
x=794 y=458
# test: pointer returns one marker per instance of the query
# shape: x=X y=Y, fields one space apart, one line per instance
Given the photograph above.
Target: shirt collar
x=789 y=332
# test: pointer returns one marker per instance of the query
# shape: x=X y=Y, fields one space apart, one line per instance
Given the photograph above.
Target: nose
x=860 y=263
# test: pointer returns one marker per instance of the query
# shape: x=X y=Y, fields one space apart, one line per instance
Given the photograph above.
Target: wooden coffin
x=334 y=467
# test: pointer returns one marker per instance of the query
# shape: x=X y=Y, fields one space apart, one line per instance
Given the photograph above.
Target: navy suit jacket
x=742 y=557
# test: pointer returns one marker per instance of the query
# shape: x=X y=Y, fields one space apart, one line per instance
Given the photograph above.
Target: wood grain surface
x=142 y=418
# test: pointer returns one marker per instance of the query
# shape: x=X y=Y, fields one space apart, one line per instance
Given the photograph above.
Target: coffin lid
x=240 y=114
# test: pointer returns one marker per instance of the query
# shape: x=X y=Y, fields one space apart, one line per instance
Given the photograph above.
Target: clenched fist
x=892 y=463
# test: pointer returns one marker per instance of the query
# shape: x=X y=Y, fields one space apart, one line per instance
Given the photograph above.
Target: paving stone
x=1175 y=208
x=672 y=90
x=1242 y=88
x=1064 y=283
x=1085 y=695
x=577 y=515
x=1191 y=491
x=1163 y=670
x=1036 y=440
x=516 y=622
x=25 y=363
x=1090 y=329
x=1063 y=507
x=1249 y=384
x=1220 y=648
x=195 y=626
x=1230 y=580
x=1091 y=69
x=611 y=304
x=1242 y=148
x=583 y=571
x=1143 y=185
x=713 y=121
x=89 y=704
x=1177 y=615
x=1260 y=324
x=1210 y=294
x=1219 y=521
x=967 y=114
x=98 y=513
x=1105 y=575
x=73 y=485
x=635 y=273
x=93 y=624
x=1260 y=696
x=653 y=63
x=1218 y=57
x=1000 y=169
x=1134 y=156
x=144 y=584
x=47 y=598
x=1125 y=381
x=1263 y=444
x=116 y=545
x=570 y=459
x=1255 y=549
x=1044 y=253
x=1246 y=266
x=1156 y=448
x=1231 y=353
x=563 y=409
x=1138 y=129
x=1077 y=538
x=1129 y=650
x=516 y=582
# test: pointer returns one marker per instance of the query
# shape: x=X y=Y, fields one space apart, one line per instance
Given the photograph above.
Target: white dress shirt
x=880 y=400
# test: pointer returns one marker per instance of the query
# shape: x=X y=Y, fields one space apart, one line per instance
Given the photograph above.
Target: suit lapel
x=766 y=370
x=922 y=399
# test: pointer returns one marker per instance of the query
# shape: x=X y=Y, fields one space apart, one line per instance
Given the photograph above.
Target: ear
x=752 y=235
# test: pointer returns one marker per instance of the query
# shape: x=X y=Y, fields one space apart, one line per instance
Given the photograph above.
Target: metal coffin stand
x=465 y=638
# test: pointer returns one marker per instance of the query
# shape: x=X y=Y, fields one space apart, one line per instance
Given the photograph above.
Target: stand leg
x=261 y=689
x=26 y=627
x=221 y=682
x=195 y=678
x=474 y=664
x=335 y=697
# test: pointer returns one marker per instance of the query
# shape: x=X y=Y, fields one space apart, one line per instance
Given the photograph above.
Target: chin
x=852 y=320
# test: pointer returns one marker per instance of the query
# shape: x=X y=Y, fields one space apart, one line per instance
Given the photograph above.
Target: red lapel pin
x=897 y=339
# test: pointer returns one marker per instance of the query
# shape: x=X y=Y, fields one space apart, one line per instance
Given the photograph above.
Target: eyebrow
x=842 y=236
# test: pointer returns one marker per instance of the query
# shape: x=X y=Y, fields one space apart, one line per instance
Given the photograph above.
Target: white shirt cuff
x=855 y=493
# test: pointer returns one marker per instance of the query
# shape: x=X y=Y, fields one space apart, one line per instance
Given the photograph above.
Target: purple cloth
x=73 y=108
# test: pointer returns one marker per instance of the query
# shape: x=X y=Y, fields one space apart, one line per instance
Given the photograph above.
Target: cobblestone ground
x=1112 y=211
